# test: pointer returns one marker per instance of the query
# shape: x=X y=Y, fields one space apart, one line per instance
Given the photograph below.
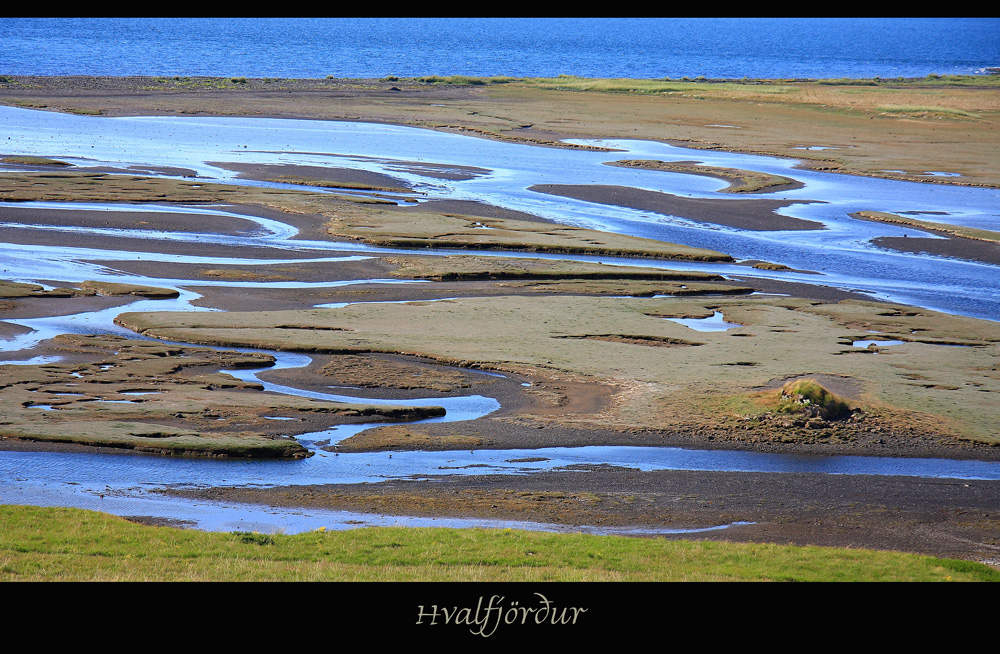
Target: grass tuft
x=807 y=396
x=925 y=111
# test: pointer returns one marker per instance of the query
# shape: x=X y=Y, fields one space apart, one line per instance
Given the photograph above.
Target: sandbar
x=753 y=214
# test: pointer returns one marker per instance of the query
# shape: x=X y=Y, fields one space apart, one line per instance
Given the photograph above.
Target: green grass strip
x=59 y=544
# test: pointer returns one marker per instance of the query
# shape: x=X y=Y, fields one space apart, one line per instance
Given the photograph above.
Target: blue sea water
x=521 y=47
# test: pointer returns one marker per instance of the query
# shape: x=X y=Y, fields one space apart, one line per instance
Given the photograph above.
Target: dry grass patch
x=926 y=225
x=437 y=230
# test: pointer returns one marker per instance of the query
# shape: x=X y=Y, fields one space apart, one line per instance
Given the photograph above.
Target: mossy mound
x=809 y=397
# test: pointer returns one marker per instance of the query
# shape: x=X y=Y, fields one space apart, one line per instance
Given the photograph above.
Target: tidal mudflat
x=389 y=319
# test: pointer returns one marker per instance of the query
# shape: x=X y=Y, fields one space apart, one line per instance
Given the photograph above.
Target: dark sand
x=349 y=177
x=940 y=517
x=172 y=221
x=954 y=247
x=470 y=208
x=310 y=226
x=733 y=179
x=745 y=213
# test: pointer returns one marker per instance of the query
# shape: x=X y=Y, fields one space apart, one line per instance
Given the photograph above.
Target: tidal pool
x=716 y=323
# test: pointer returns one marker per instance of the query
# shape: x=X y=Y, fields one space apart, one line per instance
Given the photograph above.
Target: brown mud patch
x=318 y=176
x=456 y=172
x=953 y=248
x=801 y=290
x=471 y=208
x=262 y=271
x=172 y=171
x=110 y=391
x=180 y=218
x=940 y=517
x=44 y=307
x=380 y=374
x=476 y=267
x=634 y=339
x=376 y=372
x=750 y=214
x=740 y=181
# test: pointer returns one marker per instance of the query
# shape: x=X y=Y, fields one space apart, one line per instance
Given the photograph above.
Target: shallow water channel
x=121 y=484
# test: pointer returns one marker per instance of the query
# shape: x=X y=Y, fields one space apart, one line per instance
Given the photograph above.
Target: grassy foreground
x=61 y=544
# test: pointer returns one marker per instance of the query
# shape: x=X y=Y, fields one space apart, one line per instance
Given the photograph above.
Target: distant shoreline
x=871 y=127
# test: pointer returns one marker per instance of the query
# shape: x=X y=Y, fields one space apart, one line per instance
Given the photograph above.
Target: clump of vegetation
x=809 y=397
x=929 y=80
x=465 y=79
x=253 y=538
x=33 y=161
x=922 y=111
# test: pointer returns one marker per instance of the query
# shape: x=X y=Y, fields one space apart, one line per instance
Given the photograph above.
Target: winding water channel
x=841 y=253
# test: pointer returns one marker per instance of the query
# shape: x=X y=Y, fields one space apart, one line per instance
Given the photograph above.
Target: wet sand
x=470 y=208
x=348 y=177
x=746 y=213
x=954 y=247
x=940 y=517
x=172 y=221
